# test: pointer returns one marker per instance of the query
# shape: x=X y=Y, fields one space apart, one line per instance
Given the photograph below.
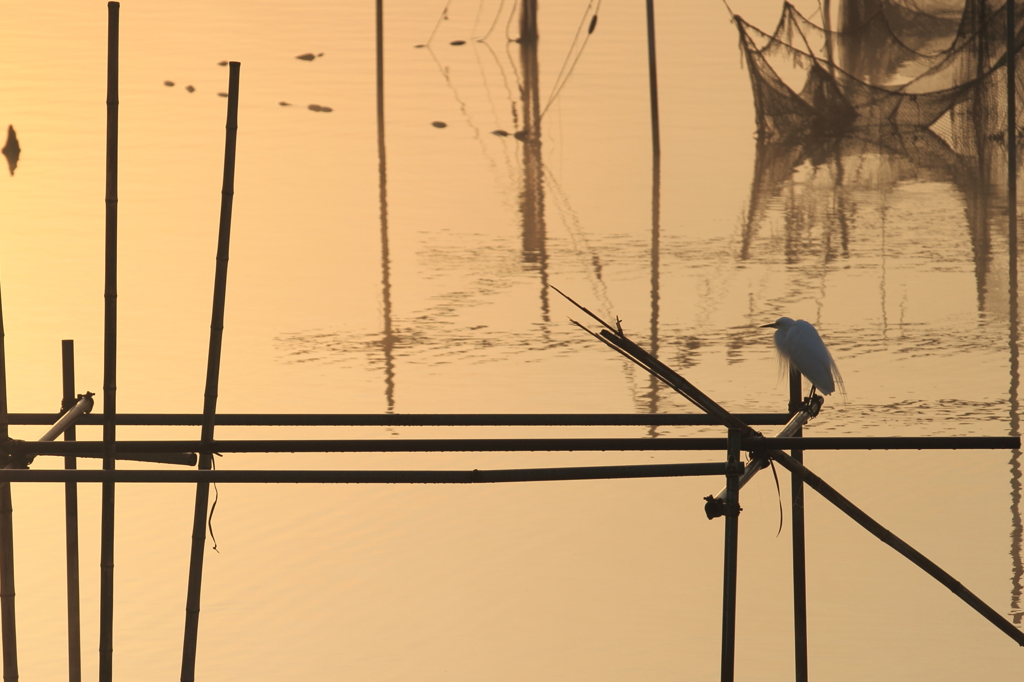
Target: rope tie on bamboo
x=216 y=496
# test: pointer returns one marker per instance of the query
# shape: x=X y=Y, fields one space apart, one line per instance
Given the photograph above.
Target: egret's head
x=781 y=323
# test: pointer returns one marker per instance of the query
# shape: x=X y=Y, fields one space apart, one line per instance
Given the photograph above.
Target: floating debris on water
x=500 y=133
x=317 y=107
x=190 y=88
x=285 y=104
x=222 y=63
x=458 y=42
x=308 y=57
x=420 y=45
x=520 y=135
x=169 y=84
x=222 y=94
x=12 y=150
x=439 y=124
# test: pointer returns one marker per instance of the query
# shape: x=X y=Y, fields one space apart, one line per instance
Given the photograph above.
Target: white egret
x=800 y=346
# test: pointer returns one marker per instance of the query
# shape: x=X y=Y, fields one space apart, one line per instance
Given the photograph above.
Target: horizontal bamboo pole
x=406 y=419
x=84 y=447
x=921 y=561
x=370 y=476
x=187 y=459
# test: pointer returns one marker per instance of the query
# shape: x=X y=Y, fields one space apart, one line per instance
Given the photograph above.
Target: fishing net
x=887 y=65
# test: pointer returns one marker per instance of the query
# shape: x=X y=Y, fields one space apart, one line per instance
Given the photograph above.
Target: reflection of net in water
x=889 y=64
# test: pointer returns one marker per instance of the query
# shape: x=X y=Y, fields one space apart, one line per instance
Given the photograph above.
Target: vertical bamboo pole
x=652 y=72
x=799 y=567
x=71 y=521
x=7 y=619
x=195 y=571
x=109 y=357
x=732 y=518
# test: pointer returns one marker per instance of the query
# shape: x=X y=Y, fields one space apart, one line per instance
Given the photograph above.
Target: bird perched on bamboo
x=800 y=346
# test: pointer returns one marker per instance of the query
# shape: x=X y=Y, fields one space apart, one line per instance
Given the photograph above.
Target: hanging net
x=887 y=65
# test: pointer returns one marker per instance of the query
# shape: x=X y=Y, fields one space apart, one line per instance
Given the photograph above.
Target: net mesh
x=888 y=65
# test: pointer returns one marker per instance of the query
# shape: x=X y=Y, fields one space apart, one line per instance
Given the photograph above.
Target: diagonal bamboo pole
x=195 y=571
x=106 y=653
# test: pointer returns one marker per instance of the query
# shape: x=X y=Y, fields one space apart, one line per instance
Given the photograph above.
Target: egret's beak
x=774 y=325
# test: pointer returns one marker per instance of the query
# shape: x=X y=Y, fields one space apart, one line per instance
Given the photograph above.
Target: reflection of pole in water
x=388 y=341
x=652 y=67
x=531 y=199
x=1011 y=206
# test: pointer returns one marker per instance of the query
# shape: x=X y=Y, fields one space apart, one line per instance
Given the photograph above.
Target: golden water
x=589 y=580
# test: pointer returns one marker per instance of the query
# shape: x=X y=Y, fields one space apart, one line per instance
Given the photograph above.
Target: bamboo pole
x=768 y=445
x=295 y=419
x=732 y=520
x=71 y=523
x=106 y=653
x=195 y=572
x=8 y=623
x=883 y=534
x=799 y=548
x=472 y=476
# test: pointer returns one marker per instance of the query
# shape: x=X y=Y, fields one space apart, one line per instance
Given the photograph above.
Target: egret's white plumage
x=800 y=346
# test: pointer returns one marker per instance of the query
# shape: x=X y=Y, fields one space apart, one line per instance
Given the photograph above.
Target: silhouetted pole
x=7 y=619
x=71 y=521
x=220 y=285
x=109 y=359
x=732 y=519
x=799 y=561
x=652 y=72
x=388 y=342
x=1011 y=121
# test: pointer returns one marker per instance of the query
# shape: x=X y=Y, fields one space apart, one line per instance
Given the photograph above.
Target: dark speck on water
x=308 y=57
x=12 y=150
x=169 y=84
x=317 y=107
x=222 y=94
x=500 y=133
x=285 y=104
x=458 y=42
x=439 y=124
x=190 y=88
x=222 y=63
x=420 y=45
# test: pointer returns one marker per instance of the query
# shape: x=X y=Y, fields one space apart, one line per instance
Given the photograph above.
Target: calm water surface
x=900 y=261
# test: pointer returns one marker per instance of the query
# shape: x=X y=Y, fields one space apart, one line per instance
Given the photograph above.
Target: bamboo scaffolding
x=772 y=447
x=195 y=572
x=71 y=522
x=106 y=654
